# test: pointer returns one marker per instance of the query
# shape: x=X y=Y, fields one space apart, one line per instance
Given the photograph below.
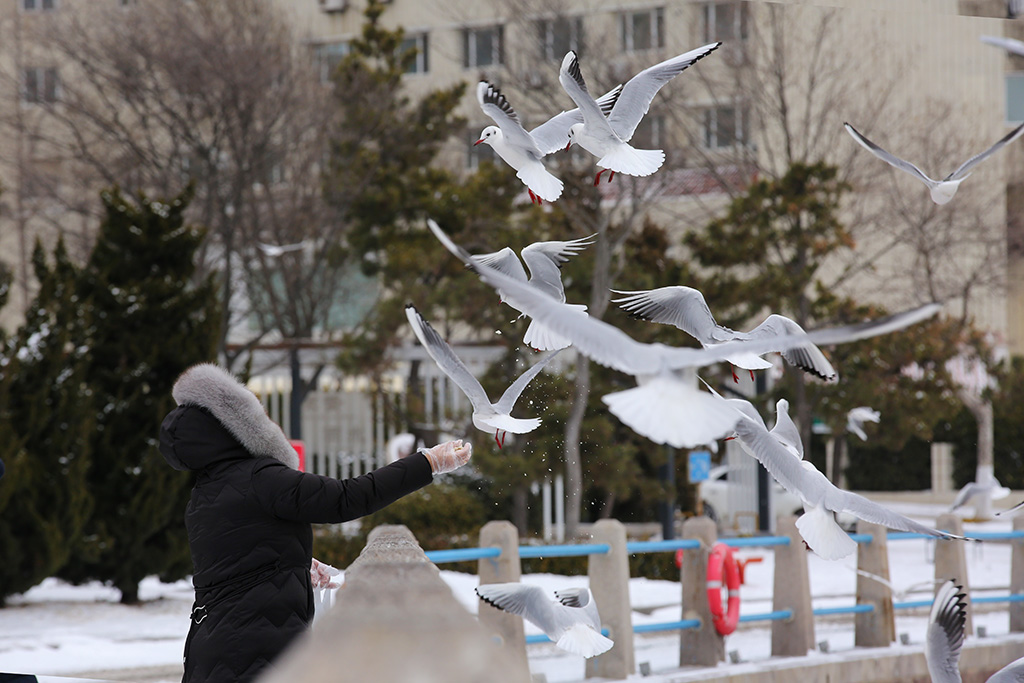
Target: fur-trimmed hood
x=218 y=393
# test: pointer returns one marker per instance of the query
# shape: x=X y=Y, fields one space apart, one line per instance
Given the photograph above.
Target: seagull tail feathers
x=538 y=179
x=542 y=338
x=632 y=161
x=583 y=640
x=825 y=537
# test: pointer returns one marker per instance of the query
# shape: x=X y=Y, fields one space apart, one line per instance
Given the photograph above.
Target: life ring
x=721 y=560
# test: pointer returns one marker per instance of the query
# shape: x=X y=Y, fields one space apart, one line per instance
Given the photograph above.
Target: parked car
x=714 y=494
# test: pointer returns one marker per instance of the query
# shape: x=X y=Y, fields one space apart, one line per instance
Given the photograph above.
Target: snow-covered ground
x=65 y=631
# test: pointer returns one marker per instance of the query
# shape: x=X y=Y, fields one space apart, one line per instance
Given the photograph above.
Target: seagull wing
x=553 y=134
x=966 y=167
x=891 y=159
x=571 y=78
x=640 y=90
x=1011 y=673
x=504 y=261
x=785 y=429
x=1008 y=44
x=580 y=598
x=964 y=495
x=770 y=452
x=446 y=359
x=807 y=357
x=530 y=602
x=839 y=500
x=945 y=635
x=495 y=105
x=544 y=260
x=681 y=306
x=511 y=395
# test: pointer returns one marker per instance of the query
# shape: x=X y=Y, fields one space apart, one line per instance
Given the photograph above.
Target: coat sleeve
x=305 y=497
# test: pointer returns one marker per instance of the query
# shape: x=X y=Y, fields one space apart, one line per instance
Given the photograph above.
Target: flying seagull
x=972 y=489
x=276 y=250
x=487 y=416
x=607 y=136
x=822 y=499
x=856 y=418
x=945 y=635
x=524 y=150
x=544 y=260
x=1009 y=44
x=666 y=407
x=571 y=620
x=686 y=308
x=941 y=190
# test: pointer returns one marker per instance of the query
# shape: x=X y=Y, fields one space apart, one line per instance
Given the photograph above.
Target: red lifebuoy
x=721 y=562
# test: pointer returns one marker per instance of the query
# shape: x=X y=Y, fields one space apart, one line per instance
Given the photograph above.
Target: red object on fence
x=743 y=566
x=300 y=448
x=721 y=562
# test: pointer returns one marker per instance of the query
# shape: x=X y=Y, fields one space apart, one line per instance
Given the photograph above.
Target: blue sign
x=699 y=466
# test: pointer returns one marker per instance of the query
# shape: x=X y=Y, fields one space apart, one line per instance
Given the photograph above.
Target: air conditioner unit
x=334 y=5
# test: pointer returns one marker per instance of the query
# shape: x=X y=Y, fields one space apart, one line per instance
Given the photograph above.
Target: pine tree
x=147 y=324
x=46 y=424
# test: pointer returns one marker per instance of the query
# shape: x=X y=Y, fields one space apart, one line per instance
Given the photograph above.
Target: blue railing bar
x=667 y=626
x=908 y=535
x=851 y=609
x=564 y=550
x=778 y=615
x=461 y=554
x=994 y=535
x=1017 y=597
x=754 y=541
x=541 y=638
x=862 y=538
x=661 y=546
x=912 y=604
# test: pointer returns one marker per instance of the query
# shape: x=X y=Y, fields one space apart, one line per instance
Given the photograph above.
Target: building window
x=328 y=56
x=559 y=35
x=643 y=30
x=724 y=21
x=38 y=5
x=477 y=153
x=483 y=46
x=649 y=132
x=39 y=85
x=418 y=64
x=725 y=127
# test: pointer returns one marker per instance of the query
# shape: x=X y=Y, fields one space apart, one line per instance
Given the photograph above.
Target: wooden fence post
x=951 y=561
x=876 y=628
x=1017 y=577
x=703 y=646
x=792 y=637
x=609 y=584
x=502 y=569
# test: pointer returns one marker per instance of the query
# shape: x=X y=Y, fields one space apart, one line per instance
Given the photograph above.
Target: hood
x=230 y=422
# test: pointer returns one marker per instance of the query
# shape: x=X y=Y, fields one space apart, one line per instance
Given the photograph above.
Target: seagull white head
x=489 y=135
x=574 y=130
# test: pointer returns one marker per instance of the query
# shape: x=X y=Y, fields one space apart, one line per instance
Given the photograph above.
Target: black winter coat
x=249 y=533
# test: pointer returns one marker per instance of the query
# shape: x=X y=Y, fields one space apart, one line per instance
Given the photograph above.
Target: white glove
x=320 y=574
x=448 y=456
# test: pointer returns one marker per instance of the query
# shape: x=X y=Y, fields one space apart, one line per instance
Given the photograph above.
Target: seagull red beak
x=568 y=146
x=478 y=142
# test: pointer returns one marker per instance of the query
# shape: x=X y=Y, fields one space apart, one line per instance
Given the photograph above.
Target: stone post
x=609 y=584
x=876 y=628
x=703 y=646
x=951 y=561
x=505 y=568
x=792 y=637
x=1017 y=577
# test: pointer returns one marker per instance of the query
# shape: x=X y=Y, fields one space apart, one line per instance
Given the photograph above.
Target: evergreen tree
x=147 y=324
x=46 y=423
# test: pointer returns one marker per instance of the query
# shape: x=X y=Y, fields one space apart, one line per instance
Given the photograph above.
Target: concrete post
x=506 y=568
x=951 y=561
x=877 y=628
x=609 y=583
x=394 y=601
x=942 y=467
x=703 y=646
x=1017 y=577
x=792 y=590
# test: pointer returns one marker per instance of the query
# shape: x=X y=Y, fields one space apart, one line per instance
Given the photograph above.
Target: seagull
x=487 y=416
x=275 y=250
x=941 y=190
x=822 y=499
x=571 y=621
x=606 y=136
x=972 y=489
x=666 y=407
x=544 y=260
x=945 y=635
x=1011 y=673
x=856 y=418
x=1009 y=44
x=686 y=308
x=524 y=150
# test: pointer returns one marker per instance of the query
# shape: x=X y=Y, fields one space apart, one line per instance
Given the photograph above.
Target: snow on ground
x=61 y=630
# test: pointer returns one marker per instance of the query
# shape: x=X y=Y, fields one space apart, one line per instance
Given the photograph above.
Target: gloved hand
x=448 y=456
x=320 y=574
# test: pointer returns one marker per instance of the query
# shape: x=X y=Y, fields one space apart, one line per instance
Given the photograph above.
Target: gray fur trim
x=214 y=388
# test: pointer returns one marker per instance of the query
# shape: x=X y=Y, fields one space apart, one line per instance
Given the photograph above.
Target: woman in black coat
x=249 y=520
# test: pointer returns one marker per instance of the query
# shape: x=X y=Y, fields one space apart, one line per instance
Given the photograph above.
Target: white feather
x=825 y=537
x=583 y=640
